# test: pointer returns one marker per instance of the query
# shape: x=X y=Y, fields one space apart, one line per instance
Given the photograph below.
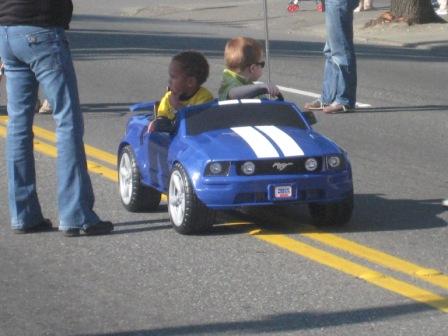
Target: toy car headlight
x=248 y=168
x=334 y=162
x=217 y=168
x=311 y=164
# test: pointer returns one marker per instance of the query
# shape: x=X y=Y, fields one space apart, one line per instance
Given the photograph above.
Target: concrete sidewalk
x=433 y=36
x=305 y=24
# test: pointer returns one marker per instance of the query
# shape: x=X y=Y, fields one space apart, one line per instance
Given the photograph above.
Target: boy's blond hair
x=241 y=52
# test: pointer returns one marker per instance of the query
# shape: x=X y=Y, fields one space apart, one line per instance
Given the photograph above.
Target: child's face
x=254 y=71
x=179 y=82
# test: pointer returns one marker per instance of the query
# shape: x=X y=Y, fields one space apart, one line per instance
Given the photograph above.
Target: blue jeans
x=33 y=56
x=340 y=77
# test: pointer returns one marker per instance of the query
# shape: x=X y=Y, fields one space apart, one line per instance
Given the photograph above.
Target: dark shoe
x=100 y=228
x=336 y=108
x=43 y=226
x=71 y=232
x=314 y=105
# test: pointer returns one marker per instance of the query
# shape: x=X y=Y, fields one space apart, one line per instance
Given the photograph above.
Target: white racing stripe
x=252 y=100
x=257 y=141
x=229 y=102
x=287 y=144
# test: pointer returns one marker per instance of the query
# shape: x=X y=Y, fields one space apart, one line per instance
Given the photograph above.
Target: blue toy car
x=232 y=154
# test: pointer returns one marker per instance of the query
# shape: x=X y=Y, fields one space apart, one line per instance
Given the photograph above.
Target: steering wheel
x=280 y=97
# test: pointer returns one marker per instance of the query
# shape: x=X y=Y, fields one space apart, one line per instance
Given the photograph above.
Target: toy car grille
x=255 y=197
x=280 y=166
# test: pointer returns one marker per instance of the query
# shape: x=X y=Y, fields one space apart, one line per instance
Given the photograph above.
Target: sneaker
x=314 y=105
x=43 y=226
x=336 y=108
x=45 y=108
x=445 y=202
x=441 y=12
x=100 y=228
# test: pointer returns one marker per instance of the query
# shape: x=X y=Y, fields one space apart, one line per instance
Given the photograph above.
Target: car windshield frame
x=227 y=116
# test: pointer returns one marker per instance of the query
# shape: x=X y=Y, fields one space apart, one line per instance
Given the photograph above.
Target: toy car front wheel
x=134 y=195
x=332 y=214
x=187 y=213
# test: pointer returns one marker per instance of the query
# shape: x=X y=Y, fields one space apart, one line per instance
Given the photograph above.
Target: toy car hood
x=260 y=142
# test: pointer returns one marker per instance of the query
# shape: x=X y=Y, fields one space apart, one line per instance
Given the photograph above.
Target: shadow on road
x=145 y=225
x=285 y=322
x=120 y=109
x=372 y=213
x=89 y=44
x=388 y=109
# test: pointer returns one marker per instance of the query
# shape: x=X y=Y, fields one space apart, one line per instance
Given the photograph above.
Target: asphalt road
x=384 y=273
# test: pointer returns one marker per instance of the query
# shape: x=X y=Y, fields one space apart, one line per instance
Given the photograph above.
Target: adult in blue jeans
x=34 y=50
x=340 y=79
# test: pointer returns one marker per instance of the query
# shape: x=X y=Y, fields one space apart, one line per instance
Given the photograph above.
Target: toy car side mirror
x=310 y=117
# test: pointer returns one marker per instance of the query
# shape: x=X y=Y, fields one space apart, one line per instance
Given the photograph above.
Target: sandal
x=314 y=105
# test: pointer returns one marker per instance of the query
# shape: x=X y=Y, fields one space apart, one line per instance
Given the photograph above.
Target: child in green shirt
x=244 y=65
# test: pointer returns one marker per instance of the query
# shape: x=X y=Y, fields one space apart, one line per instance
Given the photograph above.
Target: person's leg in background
x=368 y=4
x=339 y=30
x=330 y=76
x=443 y=10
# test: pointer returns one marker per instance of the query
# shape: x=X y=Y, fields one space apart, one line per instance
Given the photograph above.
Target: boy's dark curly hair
x=194 y=64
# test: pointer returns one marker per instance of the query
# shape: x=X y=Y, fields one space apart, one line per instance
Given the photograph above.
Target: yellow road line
x=90 y=150
x=92 y=166
x=432 y=276
x=361 y=272
x=51 y=151
x=3 y=132
x=394 y=285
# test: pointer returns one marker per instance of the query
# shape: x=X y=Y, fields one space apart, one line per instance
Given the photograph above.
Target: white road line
x=313 y=95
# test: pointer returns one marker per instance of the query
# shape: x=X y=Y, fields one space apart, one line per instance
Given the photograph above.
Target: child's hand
x=175 y=100
x=272 y=89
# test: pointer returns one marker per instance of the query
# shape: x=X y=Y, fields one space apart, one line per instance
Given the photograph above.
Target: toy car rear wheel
x=134 y=195
x=187 y=213
x=332 y=214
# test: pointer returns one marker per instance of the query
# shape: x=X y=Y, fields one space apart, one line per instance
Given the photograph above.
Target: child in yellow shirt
x=188 y=70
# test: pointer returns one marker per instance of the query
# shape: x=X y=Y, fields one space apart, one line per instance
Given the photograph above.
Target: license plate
x=283 y=192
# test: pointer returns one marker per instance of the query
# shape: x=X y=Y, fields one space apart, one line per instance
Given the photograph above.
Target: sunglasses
x=261 y=64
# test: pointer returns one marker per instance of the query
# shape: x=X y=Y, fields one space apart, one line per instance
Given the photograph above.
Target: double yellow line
x=40 y=145
x=431 y=276
x=359 y=271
